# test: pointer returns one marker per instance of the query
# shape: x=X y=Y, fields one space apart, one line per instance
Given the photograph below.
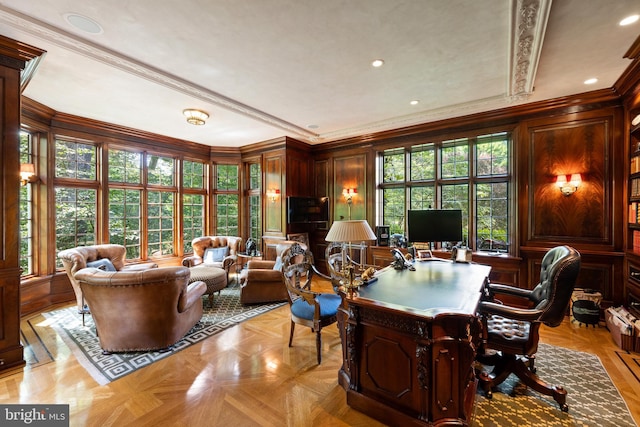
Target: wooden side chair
x=511 y=332
x=312 y=309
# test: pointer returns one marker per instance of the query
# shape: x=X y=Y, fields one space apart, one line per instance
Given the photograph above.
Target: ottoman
x=214 y=277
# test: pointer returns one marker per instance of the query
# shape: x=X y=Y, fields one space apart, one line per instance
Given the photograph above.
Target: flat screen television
x=307 y=209
x=434 y=225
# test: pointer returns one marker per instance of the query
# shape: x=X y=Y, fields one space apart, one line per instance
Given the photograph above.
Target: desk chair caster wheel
x=564 y=407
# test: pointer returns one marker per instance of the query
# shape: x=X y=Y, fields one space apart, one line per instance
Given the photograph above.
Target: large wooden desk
x=409 y=341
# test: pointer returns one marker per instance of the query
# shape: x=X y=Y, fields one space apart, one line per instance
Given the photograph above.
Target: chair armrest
x=524 y=314
x=195 y=290
x=228 y=261
x=260 y=265
x=264 y=275
x=498 y=288
x=141 y=266
x=191 y=261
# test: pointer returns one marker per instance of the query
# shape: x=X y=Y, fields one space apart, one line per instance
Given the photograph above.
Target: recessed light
x=414 y=102
x=83 y=23
x=629 y=20
x=377 y=63
x=591 y=81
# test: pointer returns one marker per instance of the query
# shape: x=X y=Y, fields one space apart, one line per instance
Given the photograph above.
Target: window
x=227 y=198
x=26 y=209
x=193 y=207
x=471 y=174
x=160 y=215
x=255 y=204
x=76 y=195
x=125 y=201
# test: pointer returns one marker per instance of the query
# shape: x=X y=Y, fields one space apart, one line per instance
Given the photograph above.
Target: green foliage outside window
x=192 y=218
x=125 y=220
x=76 y=217
x=75 y=160
x=161 y=171
x=227 y=214
x=160 y=223
x=227 y=177
x=26 y=217
x=193 y=174
x=125 y=166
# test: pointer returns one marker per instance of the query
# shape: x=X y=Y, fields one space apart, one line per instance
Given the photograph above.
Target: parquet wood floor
x=244 y=376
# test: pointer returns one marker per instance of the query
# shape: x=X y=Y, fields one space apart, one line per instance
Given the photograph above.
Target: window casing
x=26 y=256
x=472 y=174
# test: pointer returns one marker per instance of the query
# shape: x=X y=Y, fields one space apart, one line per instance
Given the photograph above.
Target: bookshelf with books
x=633 y=216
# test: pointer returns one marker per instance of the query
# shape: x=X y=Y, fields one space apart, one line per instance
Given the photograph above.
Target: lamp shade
x=350 y=231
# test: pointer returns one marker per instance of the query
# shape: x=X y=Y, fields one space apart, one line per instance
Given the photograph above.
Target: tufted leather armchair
x=201 y=244
x=76 y=259
x=511 y=332
x=141 y=310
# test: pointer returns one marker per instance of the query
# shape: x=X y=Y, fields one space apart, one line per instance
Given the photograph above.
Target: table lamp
x=347 y=232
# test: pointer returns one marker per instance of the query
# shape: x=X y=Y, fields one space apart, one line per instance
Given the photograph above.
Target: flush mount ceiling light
x=377 y=63
x=195 y=117
x=414 y=102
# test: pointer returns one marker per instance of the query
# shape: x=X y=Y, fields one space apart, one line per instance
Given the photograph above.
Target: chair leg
x=293 y=327
x=558 y=393
x=319 y=346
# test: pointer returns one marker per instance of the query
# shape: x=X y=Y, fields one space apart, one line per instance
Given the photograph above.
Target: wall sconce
x=27 y=173
x=195 y=117
x=568 y=187
x=273 y=194
x=349 y=194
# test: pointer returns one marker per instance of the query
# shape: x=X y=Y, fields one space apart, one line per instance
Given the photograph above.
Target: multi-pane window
x=227 y=198
x=193 y=202
x=125 y=220
x=125 y=202
x=470 y=174
x=76 y=195
x=26 y=211
x=254 y=202
x=160 y=223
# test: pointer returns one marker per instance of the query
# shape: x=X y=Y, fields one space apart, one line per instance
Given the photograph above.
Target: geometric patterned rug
x=591 y=395
x=83 y=342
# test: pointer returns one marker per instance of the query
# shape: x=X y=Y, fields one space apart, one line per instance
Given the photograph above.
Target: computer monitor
x=434 y=225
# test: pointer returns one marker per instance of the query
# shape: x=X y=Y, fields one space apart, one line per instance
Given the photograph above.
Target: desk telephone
x=400 y=262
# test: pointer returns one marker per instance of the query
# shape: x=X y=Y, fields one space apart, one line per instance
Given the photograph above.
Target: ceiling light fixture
x=629 y=20
x=195 y=117
x=414 y=102
x=591 y=81
x=377 y=63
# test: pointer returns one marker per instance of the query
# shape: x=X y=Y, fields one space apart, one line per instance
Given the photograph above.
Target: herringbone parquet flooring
x=244 y=376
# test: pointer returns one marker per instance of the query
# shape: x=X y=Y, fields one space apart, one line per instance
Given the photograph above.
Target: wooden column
x=13 y=59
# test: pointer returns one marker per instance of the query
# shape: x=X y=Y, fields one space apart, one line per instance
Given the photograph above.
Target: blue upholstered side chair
x=313 y=309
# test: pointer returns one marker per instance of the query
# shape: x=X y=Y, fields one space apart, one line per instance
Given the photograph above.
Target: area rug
x=592 y=397
x=226 y=312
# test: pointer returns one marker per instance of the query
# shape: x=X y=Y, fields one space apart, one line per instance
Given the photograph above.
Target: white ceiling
x=302 y=68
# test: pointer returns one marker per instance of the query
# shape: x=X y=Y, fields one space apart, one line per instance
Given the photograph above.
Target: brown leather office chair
x=511 y=332
x=313 y=309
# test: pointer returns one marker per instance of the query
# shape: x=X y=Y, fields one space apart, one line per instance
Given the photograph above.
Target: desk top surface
x=435 y=287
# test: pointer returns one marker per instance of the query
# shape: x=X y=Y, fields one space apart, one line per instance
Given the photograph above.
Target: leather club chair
x=141 y=310
x=511 y=332
x=76 y=259
x=201 y=244
x=262 y=280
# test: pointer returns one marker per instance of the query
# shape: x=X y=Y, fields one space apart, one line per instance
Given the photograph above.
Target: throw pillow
x=104 y=264
x=278 y=265
x=212 y=255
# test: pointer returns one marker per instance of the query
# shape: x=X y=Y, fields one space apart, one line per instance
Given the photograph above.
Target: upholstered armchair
x=222 y=251
x=262 y=280
x=107 y=257
x=141 y=310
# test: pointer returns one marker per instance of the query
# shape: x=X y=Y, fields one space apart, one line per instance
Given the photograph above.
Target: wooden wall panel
x=575 y=147
x=350 y=172
x=274 y=218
